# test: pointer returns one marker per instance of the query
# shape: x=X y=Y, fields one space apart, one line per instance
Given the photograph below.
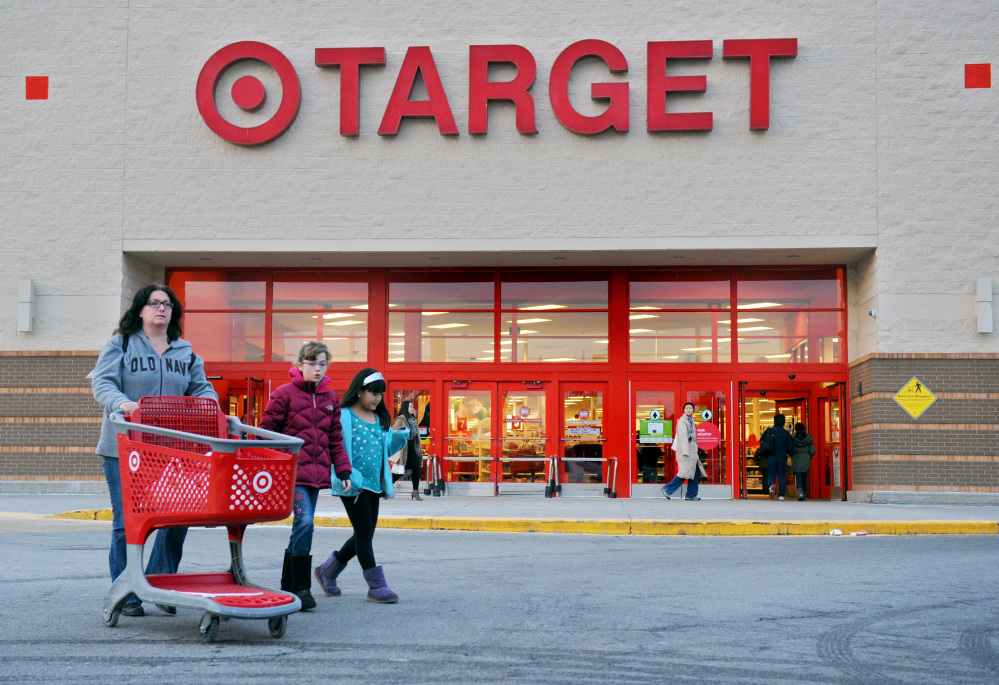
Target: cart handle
x=272 y=440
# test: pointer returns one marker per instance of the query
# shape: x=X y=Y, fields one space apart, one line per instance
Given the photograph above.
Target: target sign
x=262 y=482
x=248 y=93
x=134 y=461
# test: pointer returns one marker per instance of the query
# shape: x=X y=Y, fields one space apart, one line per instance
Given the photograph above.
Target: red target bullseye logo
x=248 y=93
x=262 y=482
x=134 y=461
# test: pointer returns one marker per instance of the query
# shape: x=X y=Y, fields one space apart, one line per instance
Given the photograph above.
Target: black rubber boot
x=286 y=572
x=301 y=581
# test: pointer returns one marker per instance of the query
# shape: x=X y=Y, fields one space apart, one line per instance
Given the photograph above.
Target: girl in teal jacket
x=369 y=441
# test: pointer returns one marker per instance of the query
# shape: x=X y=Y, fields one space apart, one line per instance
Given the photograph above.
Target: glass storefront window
x=803 y=337
x=680 y=290
x=797 y=289
x=345 y=334
x=524 y=435
x=553 y=336
x=440 y=337
x=469 y=436
x=710 y=408
x=543 y=296
x=233 y=337
x=693 y=337
x=452 y=294
x=320 y=295
x=583 y=430
x=245 y=293
x=654 y=462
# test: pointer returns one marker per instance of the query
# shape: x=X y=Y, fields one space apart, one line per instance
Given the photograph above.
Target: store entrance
x=657 y=406
x=817 y=407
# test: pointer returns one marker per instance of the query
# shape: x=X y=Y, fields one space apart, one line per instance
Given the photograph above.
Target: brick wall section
x=49 y=421
x=952 y=446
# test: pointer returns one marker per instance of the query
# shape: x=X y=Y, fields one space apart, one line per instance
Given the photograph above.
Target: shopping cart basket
x=184 y=463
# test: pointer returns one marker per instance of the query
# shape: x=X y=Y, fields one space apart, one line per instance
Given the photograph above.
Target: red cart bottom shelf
x=220 y=588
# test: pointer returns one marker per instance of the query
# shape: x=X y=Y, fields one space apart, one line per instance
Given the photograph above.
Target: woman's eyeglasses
x=317 y=365
x=156 y=304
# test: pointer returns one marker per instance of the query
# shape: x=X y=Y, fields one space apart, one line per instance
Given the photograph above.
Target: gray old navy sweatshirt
x=128 y=375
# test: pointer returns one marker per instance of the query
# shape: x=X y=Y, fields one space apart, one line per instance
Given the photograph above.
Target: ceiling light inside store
x=336 y=316
x=520 y=321
x=777 y=356
x=345 y=323
x=559 y=359
x=540 y=307
x=643 y=316
x=759 y=305
x=331 y=339
x=675 y=356
x=432 y=313
x=396 y=343
x=450 y=325
x=640 y=330
x=729 y=322
x=655 y=308
x=756 y=328
x=695 y=349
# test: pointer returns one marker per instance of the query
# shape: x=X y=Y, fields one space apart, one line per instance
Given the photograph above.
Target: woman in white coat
x=685 y=449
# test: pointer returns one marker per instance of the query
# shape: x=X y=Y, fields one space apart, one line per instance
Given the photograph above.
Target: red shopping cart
x=185 y=463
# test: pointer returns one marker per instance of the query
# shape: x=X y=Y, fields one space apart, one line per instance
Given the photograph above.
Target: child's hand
x=346 y=484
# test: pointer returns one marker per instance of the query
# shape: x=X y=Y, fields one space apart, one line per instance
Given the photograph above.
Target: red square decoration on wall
x=36 y=87
x=977 y=75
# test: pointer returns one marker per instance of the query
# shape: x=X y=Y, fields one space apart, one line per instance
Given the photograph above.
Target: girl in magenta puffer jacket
x=308 y=408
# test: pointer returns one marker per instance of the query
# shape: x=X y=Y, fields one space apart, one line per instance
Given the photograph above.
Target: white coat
x=685 y=449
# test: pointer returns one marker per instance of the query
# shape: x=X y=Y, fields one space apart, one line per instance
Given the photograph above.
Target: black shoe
x=167 y=609
x=693 y=499
x=801 y=498
x=308 y=601
x=133 y=609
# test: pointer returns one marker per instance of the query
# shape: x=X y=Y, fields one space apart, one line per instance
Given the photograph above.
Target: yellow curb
x=85 y=515
x=727 y=528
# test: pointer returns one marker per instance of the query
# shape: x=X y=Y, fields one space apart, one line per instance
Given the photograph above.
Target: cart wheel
x=209 y=628
x=277 y=626
x=612 y=495
x=548 y=492
x=426 y=491
x=112 y=620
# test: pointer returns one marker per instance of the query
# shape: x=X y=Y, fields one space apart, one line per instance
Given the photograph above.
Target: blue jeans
x=674 y=485
x=167 y=548
x=801 y=482
x=777 y=468
x=304 y=511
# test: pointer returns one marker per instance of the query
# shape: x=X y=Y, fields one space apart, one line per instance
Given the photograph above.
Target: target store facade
x=550 y=227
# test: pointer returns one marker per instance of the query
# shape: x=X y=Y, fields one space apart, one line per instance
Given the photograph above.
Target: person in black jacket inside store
x=777 y=460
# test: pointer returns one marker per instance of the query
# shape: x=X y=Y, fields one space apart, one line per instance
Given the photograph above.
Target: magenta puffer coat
x=302 y=410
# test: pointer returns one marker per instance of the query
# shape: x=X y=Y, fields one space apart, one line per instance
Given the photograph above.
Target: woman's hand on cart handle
x=128 y=407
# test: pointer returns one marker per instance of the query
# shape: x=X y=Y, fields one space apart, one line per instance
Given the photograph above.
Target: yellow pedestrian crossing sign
x=915 y=398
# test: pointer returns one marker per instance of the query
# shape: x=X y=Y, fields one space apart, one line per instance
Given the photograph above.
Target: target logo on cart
x=134 y=461
x=262 y=482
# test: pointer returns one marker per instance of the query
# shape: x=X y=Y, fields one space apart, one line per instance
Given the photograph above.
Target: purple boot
x=326 y=574
x=378 y=591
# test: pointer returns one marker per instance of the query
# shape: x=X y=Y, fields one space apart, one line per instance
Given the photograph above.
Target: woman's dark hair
x=131 y=321
x=404 y=409
x=799 y=429
x=357 y=386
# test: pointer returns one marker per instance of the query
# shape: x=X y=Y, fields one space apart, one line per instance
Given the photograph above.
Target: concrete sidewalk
x=602 y=516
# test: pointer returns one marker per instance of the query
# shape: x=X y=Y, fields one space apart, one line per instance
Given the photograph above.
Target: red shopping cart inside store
x=185 y=463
